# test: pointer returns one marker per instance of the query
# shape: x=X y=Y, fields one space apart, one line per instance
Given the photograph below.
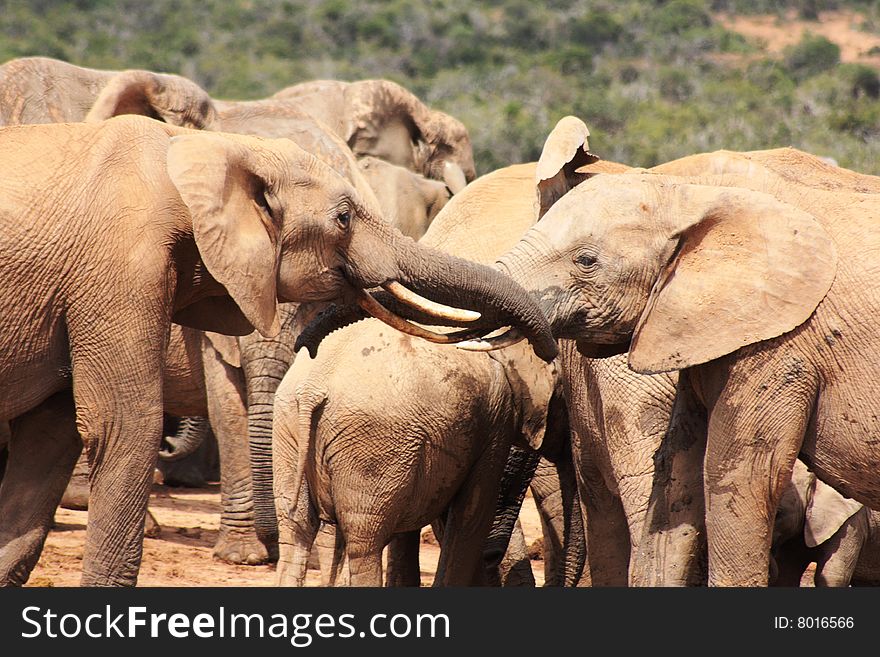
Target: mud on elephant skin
x=621 y=259
x=236 y=220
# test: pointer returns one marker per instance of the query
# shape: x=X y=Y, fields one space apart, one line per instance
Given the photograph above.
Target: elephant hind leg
x=43 y=449
x=403 y=560
x=469 y=520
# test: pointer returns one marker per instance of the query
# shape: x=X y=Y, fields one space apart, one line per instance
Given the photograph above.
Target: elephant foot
x=242 y=548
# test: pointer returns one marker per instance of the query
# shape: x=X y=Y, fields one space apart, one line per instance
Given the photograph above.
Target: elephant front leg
x=756 y=429
x=237 y=541
x=672 y=547
x=43 y=449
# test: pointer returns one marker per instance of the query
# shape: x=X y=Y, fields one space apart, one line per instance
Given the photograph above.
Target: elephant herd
x=679 y=361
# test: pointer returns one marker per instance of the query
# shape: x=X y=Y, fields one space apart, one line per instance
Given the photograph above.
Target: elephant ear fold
x=168 y=98
x=565 y=150
x=827 y=511
x=221 y=183
x=746 y=268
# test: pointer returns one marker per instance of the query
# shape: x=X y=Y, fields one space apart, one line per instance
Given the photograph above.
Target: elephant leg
x=547 y=493
x=297 y=529
x=840 y=553
x=607 y=532
x=403 y=560
x=516 y=567
x=43 y=449
x=330 y=548
x=519 y=470
x=469 y=520
x=673 y=544
x=753 y=441
x=237 y=540
x=789 y=561
x=76 y=495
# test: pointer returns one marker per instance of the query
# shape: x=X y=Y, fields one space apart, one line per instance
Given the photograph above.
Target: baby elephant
x=815 y=523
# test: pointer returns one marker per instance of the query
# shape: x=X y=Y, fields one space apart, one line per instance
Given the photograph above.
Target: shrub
x=813 y=54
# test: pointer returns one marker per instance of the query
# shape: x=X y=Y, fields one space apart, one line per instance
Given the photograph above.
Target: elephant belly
x=843 y=444
x=31 y=372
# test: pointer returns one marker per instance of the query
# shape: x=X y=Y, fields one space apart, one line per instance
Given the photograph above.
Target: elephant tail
x=310 y=403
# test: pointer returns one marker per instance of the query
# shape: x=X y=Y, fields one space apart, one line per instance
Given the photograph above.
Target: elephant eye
x=586 y=259
x=343 y=218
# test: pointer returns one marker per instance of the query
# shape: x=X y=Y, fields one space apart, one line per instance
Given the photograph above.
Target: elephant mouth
x=596 y=350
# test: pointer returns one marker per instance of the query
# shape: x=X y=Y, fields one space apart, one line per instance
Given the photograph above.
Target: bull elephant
x=209 y=231
x=443 y=435
x=754 y=286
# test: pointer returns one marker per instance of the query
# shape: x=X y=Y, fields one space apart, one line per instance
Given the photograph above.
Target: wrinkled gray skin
x=815 y=523
x=382 y=467
x=40 y=90
x=196 y=265
x=567 y=259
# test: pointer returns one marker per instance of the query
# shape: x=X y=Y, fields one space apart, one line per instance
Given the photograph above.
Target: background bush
x=653 y=79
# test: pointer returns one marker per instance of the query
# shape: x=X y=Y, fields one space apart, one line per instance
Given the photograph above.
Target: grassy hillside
x=654 y=80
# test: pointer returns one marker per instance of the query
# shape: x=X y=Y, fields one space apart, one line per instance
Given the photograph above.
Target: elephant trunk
x=518 y=472
x=265 y=363
x=448 y=280
x=190 y=435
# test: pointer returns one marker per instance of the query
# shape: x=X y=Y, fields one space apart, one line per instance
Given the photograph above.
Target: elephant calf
x=815 y=523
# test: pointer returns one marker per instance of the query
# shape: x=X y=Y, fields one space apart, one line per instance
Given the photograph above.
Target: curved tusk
x=381 y=313
x=454 y=177
x=506 y=339
x=429 y=307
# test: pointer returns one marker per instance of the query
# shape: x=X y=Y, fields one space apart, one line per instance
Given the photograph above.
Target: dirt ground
x=182 y=555
x=844 y=28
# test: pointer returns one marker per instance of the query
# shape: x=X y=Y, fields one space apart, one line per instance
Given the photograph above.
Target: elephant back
x=488 y=217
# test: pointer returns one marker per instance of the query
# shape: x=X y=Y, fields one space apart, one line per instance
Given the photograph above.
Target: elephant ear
x=566 y=149
x=169 y=98
x=827 y=510
x=222 y=183
x=747 y=268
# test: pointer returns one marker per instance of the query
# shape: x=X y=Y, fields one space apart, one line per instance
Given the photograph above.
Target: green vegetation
x=653 y=79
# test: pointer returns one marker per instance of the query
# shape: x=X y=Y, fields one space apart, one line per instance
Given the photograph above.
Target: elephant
x=381 y=118
x=764 y=340
x=147 y=224
x=375 y=117
x=815 y=523
x=443 y=437
x=55 y=90
x=407 y=199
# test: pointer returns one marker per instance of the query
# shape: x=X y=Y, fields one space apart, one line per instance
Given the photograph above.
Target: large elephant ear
x=222 y=184
x=566 y=150
x=169 y=98
x=747 y=268
x=827 y=510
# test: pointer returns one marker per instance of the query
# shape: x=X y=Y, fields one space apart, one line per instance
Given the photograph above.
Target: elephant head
x=382 y=119
x=675 y=272
x=272 y=223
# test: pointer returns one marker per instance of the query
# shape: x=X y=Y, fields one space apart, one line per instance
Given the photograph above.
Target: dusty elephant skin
x=762 y=291
x=56 y=91
x=381 y=467
x=223 y=227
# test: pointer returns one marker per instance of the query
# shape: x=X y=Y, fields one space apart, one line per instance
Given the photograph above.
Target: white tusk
x=380 y=312
x=506 y=339
x=429 y=307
